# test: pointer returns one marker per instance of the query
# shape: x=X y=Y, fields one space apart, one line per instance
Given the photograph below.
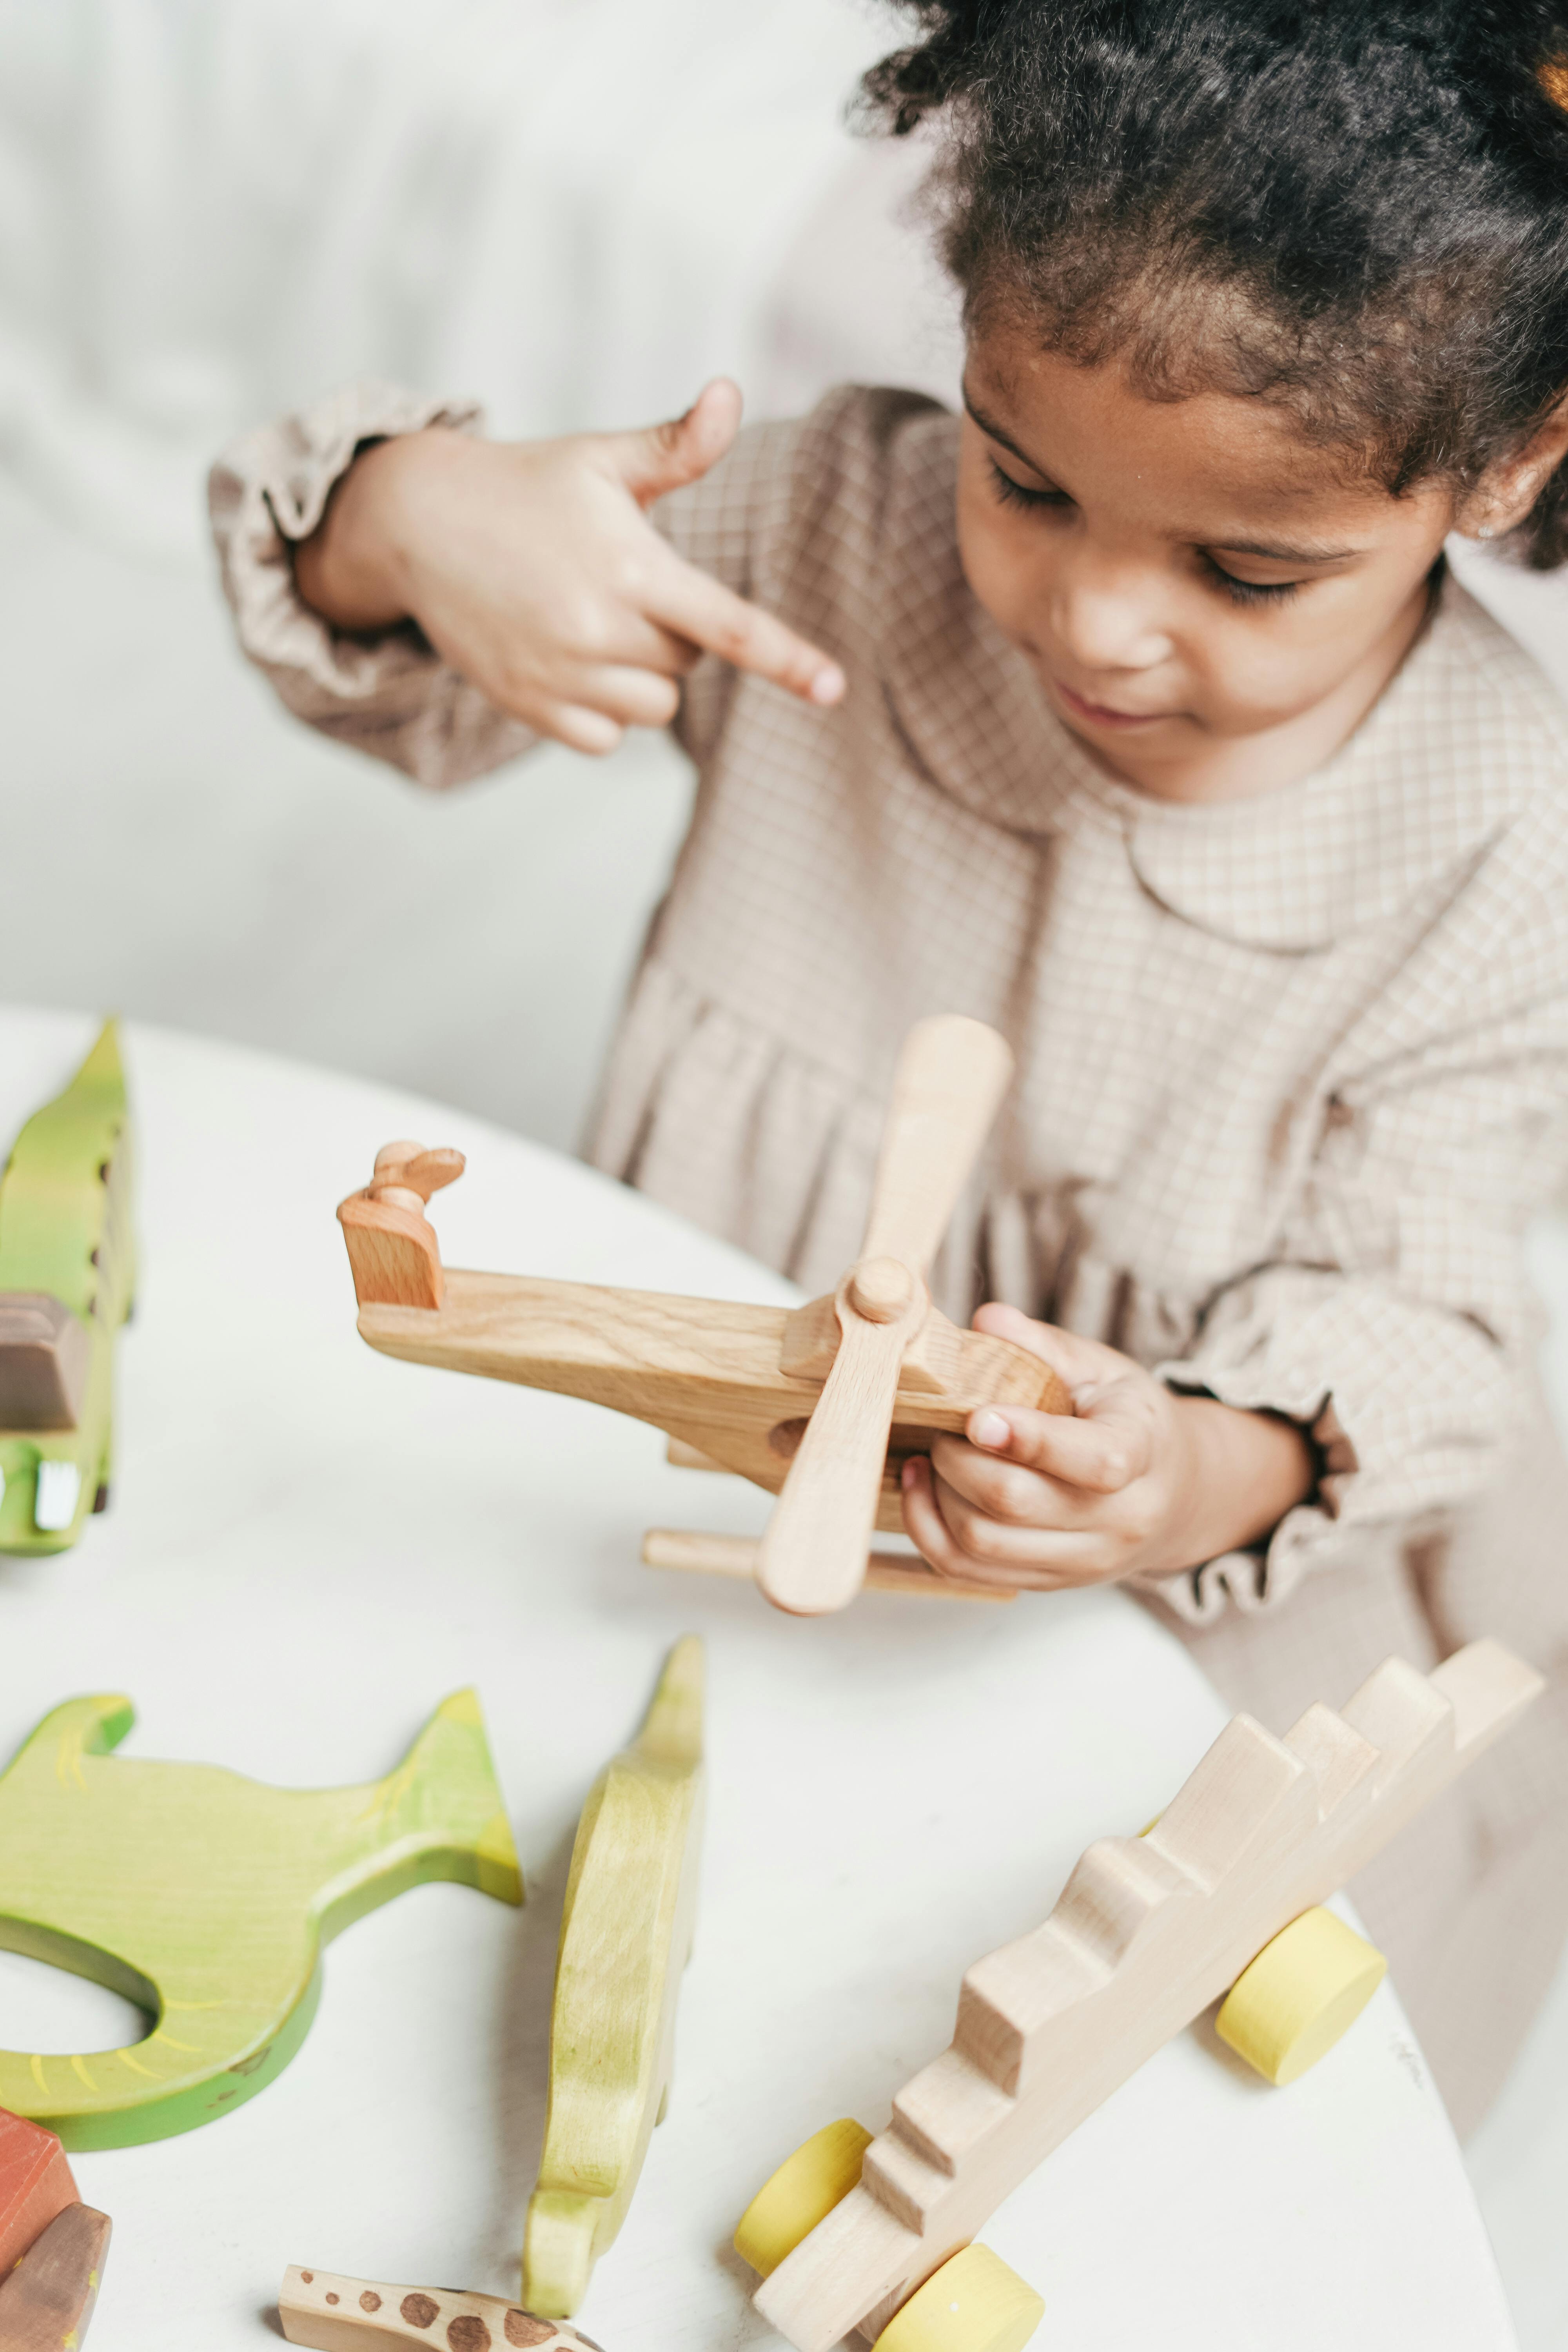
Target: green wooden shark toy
x=207 y=1898
x=66 y=1272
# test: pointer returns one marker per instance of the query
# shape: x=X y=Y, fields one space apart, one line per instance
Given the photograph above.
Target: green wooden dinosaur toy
x=625 y=1935
x=66 y=1272
x=207 y=1898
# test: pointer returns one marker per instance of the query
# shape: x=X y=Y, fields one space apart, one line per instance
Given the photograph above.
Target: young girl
x=1134 y=713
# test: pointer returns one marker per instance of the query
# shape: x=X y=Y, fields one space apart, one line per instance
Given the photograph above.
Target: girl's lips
x=1096 y=714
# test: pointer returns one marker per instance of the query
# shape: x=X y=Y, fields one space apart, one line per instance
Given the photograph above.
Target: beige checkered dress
x=1293 y=1069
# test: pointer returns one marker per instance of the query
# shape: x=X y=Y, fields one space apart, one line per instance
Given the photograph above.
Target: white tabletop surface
x=311 y=1545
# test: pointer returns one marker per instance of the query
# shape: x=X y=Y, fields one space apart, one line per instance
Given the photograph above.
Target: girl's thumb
x=663 y=458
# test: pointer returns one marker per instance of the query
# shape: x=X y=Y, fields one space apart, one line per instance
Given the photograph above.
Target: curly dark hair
x=1355 y=207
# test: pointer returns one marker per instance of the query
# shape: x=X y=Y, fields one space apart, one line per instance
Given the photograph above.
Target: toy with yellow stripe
x=207 y=1898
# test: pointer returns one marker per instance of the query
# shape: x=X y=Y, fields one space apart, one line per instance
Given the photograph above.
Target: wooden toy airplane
x=66 y=1273
x=52 y=2246
x=350 y=2314
x=207 y=1898
x=625 y=1935
x=1219 y=1892
x=820 y=1406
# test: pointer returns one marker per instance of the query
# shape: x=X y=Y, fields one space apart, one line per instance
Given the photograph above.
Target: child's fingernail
x=828 y=684
x=989 y=1428
x=908 y=1474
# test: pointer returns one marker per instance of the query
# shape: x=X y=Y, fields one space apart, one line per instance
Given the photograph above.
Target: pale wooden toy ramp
x=820 y=1406
x=1148 y=1933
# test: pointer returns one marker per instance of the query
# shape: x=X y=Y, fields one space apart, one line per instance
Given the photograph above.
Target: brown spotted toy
x=349 y=2314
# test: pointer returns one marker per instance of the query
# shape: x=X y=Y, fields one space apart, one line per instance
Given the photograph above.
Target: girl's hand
x=532 y=569
x=1142 y=1479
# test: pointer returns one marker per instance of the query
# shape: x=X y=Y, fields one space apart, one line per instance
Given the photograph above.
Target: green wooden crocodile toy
x=66 y=1273
x=207 y=1898
x=625 y=1935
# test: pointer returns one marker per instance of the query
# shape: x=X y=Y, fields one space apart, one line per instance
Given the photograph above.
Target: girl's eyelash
x=1240 y=592
x=1249 y=592
x=1013 y=494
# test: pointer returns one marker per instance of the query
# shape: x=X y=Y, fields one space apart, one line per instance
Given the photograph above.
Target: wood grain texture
x=625 y=1936
x=1148 y=1932
x=948 y=1086
x=822 y=1406
x=813 y=1557
x=707 y=1371
x=45 y=2301
x=207 y=1898
x=66 y=1276
x=35 y=2184
x=354 y=2314
x=701 y=1554
x=393 y=1251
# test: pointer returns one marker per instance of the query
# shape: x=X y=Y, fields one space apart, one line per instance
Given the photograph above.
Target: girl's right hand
x=532 y=569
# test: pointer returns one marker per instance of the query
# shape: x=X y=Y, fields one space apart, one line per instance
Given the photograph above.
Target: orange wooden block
x=34 y=2185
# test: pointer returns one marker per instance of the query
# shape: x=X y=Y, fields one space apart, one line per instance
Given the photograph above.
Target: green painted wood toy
x=625 y=1935
x=66 y=1273
x=207 y=1898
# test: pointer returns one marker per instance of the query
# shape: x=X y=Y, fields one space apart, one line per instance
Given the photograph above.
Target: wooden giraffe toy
x=66 y=1273
x=206 y=1899
x=820 y=1406
x=1219 y=1897
x=350 y=2314
x=625 y=1936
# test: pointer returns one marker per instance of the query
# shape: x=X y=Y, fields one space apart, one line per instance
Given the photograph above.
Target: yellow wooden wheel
x=805 y=2188
x=1289 y=2007
x=972 y=2304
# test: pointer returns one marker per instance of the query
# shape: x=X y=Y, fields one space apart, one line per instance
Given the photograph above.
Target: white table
x=310 y=1545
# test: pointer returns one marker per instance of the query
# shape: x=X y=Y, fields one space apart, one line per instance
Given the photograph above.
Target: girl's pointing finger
x=704 y=609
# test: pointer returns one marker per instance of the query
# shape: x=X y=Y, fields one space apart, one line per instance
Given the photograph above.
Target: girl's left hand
x=1140 y=1479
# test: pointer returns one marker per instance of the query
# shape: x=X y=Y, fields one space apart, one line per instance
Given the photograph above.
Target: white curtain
x=578 y=209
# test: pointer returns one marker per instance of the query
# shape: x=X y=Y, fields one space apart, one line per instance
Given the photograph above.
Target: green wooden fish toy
x=66 y=1273
x=206 y=1899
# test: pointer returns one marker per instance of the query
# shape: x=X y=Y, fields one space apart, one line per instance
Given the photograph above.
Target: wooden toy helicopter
x=821 y=1406
x=66 y=1272
x=1221 y=1891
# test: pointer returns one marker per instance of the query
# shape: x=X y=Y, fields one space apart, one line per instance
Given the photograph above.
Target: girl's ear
x=1501 y=500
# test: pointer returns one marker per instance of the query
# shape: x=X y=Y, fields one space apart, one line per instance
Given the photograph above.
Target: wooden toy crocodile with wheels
x=1218 y=1898
x=66 y=1273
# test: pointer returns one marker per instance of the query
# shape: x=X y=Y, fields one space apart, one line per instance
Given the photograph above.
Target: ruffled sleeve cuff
x=1410 y=1410
x=388 y=694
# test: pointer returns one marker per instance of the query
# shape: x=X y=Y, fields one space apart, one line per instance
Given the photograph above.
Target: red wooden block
x=46 y=2300
x=34 y=2185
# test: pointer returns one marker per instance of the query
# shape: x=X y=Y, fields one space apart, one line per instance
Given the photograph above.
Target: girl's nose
x=1107 y=616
